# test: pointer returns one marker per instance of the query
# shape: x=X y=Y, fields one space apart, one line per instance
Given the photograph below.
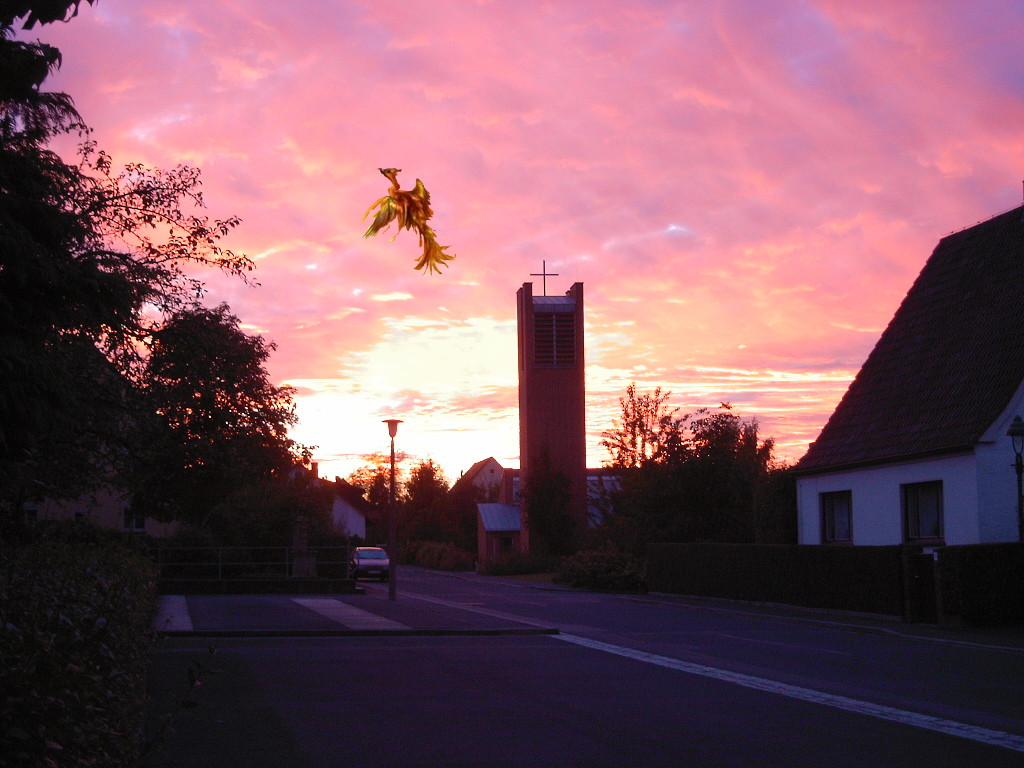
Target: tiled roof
x=949 y=362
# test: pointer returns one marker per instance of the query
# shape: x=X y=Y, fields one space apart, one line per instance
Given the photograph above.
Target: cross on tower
x=544 y=274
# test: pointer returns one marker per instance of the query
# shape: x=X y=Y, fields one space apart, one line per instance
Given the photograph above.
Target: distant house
x=484 y=477
x=349 y=509
x=106 y=507
x=917 y=451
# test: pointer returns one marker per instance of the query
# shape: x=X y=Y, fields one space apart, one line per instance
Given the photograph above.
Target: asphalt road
x=456 y=674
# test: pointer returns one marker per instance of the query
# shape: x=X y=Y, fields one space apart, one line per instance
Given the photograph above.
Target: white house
x=917 y=450
x=106 y=507
x=349 y=509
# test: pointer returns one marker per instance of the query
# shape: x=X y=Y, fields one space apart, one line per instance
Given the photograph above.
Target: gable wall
x=997 y=481
x=347 y=519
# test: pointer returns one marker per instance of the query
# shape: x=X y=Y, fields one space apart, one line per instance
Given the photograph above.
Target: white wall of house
x=979 y=497
x=997 y=481
x=347 y=519
x=106 y=508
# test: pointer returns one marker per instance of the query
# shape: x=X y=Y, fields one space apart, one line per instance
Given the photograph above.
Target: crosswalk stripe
x=343 y=613
x=172 y=614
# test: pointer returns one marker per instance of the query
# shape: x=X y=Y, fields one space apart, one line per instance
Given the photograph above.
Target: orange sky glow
x=746 y=190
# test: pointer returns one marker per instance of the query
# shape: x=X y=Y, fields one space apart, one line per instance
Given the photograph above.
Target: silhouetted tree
x=708 y=477
x=547 y=503
x=648 y=431
x=424 y=515
x=88 y=253
x=221 y=423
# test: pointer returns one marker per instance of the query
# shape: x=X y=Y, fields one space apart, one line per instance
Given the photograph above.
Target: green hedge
x=602 y=569
x=982 y=583
x=75 y=638
x=863 y=579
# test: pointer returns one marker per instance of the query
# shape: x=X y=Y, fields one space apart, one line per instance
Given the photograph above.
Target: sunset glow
x=746 y=190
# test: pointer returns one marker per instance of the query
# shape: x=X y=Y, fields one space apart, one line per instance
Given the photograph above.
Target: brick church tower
x=552 y=429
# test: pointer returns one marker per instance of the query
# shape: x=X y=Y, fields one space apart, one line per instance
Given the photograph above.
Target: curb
x=358 y=632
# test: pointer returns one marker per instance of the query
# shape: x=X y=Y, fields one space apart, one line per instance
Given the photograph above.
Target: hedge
x=982 y=584
x=603 y=570
x=75 y=638
x=862 y=579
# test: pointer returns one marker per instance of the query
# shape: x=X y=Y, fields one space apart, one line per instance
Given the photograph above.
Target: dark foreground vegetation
x=76 y=616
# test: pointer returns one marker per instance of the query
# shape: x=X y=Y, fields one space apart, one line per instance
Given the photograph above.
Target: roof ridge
x=982 y=221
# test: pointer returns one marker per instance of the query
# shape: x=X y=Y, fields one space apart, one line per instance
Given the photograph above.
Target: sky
x=746 y=189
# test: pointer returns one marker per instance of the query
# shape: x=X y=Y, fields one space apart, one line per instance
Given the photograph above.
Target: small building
x=499 y=524
x=349 y=509
x=498 y=531
x=917 y=450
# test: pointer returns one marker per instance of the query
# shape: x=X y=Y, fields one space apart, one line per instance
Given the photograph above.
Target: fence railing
x=250 y=563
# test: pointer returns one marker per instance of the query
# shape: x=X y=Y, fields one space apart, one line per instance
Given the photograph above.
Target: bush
x=75 y=636
x=518 y=564
x=602 y=569
x=442 y=555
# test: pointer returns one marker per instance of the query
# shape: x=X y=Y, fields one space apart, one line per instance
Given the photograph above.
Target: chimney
x=315 y=469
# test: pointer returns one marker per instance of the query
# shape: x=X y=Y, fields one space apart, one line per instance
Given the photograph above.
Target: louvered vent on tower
x=554 y=338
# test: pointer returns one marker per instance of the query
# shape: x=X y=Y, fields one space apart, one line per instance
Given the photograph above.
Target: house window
x=837 y=517
x=922 y=510
x=554 y=336
x=134 y=521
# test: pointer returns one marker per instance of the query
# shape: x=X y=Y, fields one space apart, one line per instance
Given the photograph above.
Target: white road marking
x=950 y=727
x=941 y=725
x=343 y=613
x=172 y=614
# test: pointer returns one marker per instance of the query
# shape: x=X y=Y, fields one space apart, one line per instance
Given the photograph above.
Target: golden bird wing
x=420 y=191
x=386 y=213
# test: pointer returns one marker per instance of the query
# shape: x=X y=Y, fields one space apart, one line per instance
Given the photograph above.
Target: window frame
x=827 y=507
x=137 y=520
x=910 y=509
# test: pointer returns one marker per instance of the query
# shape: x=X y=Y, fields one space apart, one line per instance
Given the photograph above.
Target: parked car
x=369 y=561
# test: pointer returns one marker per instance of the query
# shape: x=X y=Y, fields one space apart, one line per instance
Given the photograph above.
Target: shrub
x=75 y=637
x=602 y=569
x=517 y=564
x=442 y=555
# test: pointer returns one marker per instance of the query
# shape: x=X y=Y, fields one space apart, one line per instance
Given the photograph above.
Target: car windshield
x=372 y=554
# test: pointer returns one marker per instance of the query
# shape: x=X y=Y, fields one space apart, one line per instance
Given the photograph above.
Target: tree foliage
x=425 y=513
x=701 y=477
x=92 y=260
x=547 y=500
x=220 y=423
x=648 y=430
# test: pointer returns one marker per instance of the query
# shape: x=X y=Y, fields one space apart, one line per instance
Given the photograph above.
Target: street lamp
x=1016 y=435
x=392 y=517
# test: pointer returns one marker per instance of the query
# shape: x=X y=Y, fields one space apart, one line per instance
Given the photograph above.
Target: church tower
x=552 y=429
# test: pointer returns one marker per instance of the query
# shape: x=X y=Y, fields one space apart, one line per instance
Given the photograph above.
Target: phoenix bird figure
x=410 y=209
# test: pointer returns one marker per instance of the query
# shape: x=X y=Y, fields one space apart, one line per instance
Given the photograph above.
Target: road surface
x=461 y=671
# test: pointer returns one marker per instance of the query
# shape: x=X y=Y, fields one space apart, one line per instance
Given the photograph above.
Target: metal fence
x=243 y=563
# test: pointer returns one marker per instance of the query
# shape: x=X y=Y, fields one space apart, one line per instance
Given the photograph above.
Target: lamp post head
x=393 y=426
x=1016 y=434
